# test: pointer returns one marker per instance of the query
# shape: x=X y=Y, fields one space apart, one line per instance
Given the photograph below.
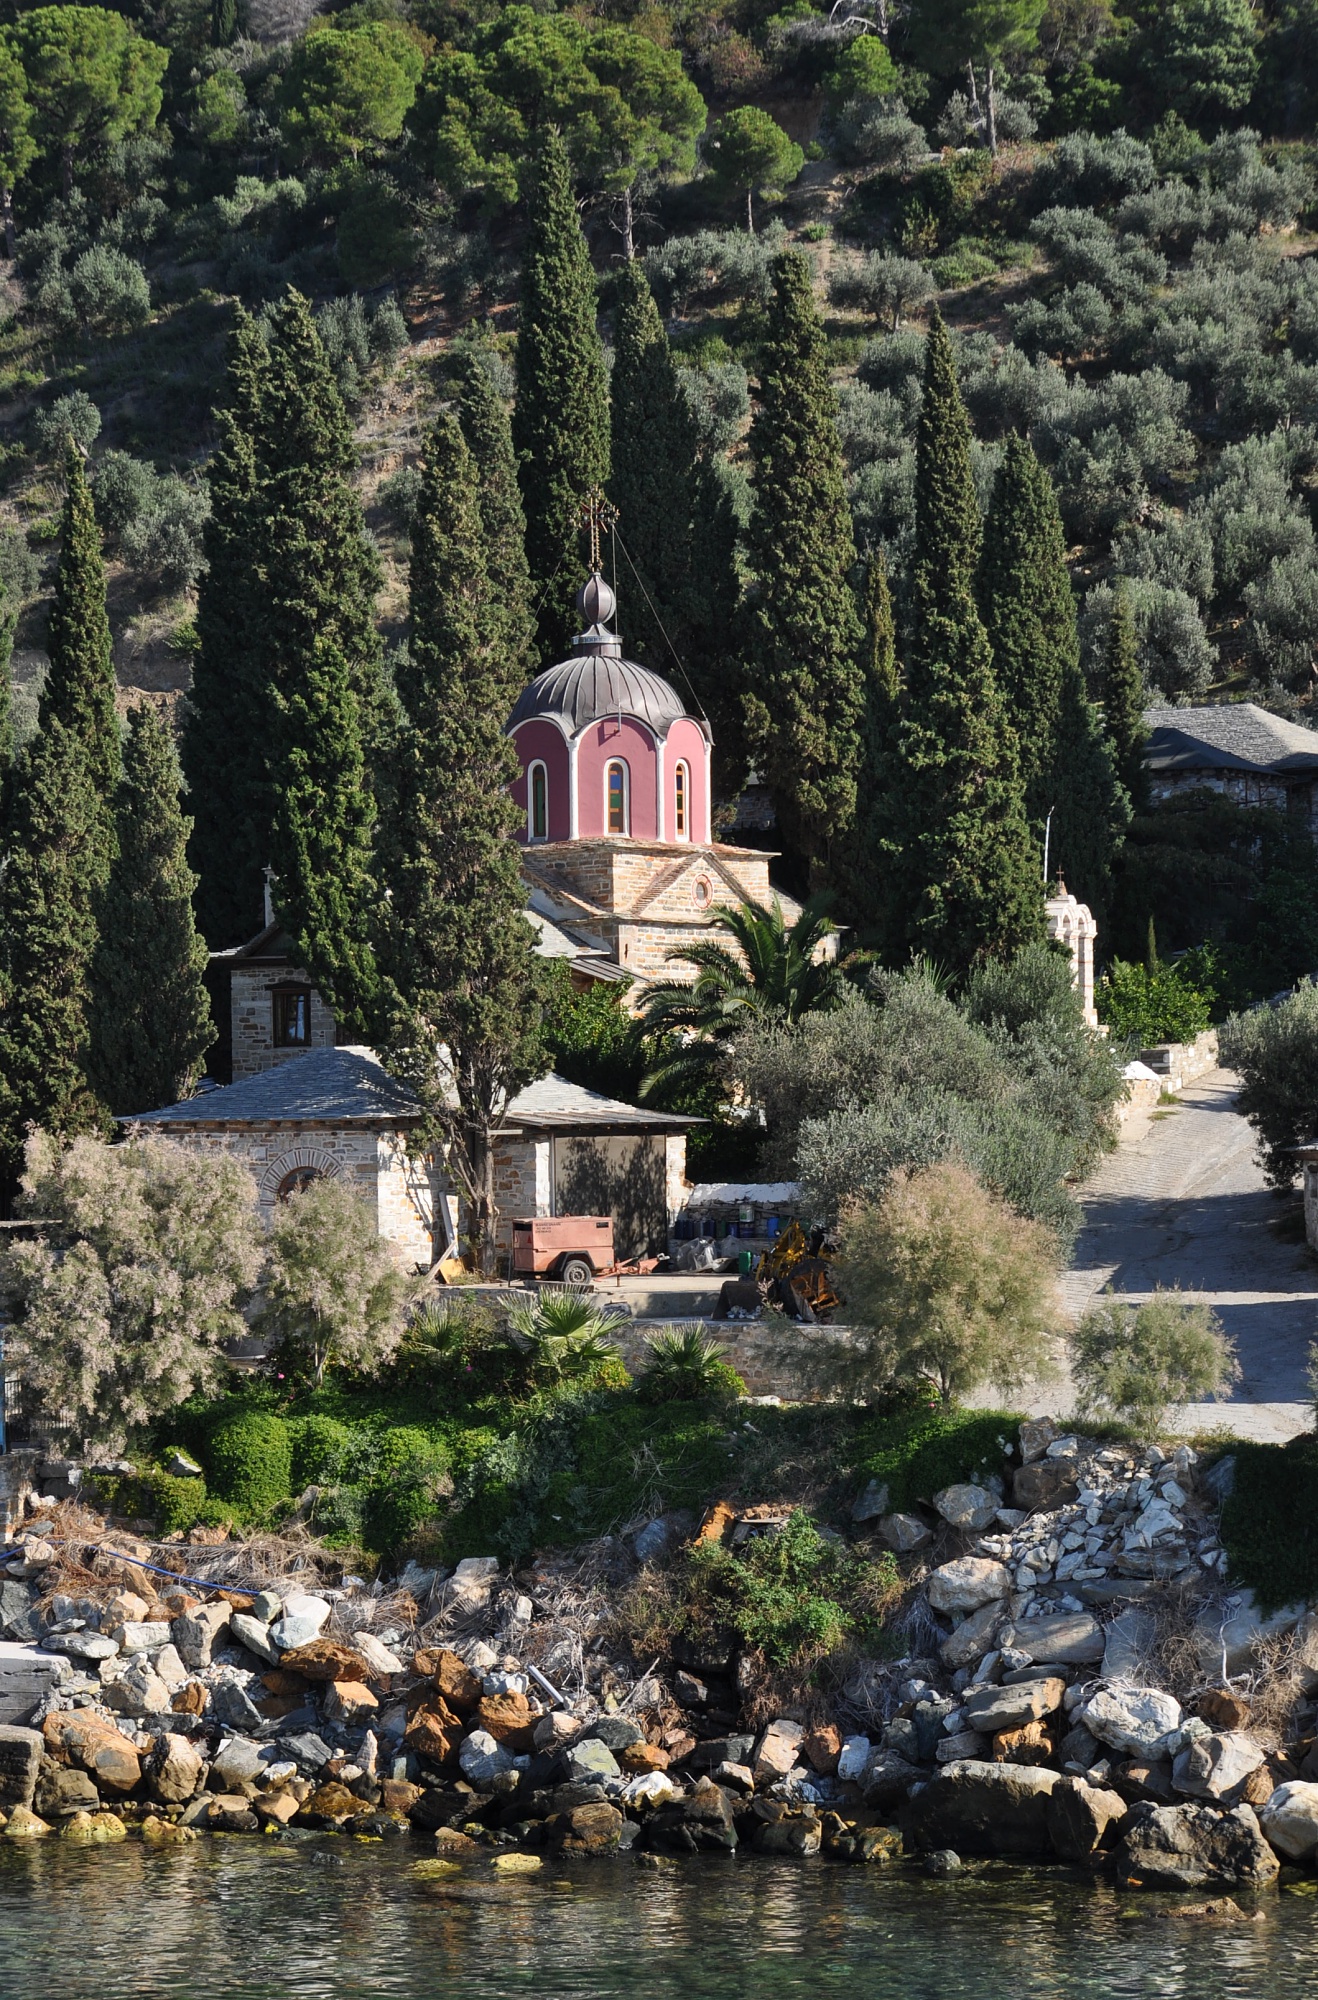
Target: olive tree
x=136 y=1278
x=1274 y=1051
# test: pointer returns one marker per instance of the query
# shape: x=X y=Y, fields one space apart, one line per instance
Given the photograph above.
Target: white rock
x=1126 y=1645
x=376 y=1655
x=502 y=1683
x=652 y=1788
x=1290 y=1820
x=300 y=1604
x=143 y=1636
x=853 y=1757
x=970 y=1508
x=1213 y=1765
x=904 y=1532
x=170 y=1668
x=1140 y=1721
x=967 y=1583
x=476 y=1569
x=289 y=1633
x=481 y=1758
x=777 y=1750
x=872 y=1503
x=255 y=1636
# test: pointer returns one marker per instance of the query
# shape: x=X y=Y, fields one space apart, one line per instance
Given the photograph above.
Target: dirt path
x=1182 y=1202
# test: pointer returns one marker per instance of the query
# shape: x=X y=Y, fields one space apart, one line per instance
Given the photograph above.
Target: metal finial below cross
x=597 y=513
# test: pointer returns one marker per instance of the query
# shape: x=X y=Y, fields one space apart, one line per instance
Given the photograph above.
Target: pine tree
x=487 y=432
x=326 y=710
x=224 y=726
x=653 y=458
x=150 y=1015
x=969 y=882
x=561 y=417
x=459 y=1009
x=1029 y=614
x=803 y=708
x=1123 y=699
x=55 y=849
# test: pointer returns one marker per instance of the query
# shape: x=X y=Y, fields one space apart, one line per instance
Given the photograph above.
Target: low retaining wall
x=798 y=1364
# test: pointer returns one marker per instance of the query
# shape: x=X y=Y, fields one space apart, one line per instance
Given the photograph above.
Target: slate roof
x=345 y=1086
x=350 y=1086
x=1236 y=736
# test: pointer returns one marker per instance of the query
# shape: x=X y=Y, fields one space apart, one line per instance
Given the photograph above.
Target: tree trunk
x=483 y=1227
x=7 y=212
x=628 y=239
x=66 y=171
x=991 y=111
x=974 y=94
x=750 y=213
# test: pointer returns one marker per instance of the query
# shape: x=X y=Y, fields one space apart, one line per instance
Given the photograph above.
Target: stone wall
x=251 y=1013
x=793 y=1363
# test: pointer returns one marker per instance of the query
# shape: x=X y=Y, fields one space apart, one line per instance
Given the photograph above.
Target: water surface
x=239 y=1919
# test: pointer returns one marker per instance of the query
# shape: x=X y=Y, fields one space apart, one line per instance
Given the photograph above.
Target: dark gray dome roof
x=581 y=690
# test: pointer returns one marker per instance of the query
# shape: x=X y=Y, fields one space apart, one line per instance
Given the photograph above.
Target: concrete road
x=1183 y=1202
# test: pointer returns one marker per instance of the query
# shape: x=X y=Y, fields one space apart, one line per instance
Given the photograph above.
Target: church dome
x=594 y=686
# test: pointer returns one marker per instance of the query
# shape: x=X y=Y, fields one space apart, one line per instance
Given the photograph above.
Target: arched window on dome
x=537 y=802
x=682 y=802
x=616 y=801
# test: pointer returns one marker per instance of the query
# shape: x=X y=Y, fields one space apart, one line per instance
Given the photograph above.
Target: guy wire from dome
x=677 y=658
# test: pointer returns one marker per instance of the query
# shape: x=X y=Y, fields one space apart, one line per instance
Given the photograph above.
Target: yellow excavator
x=796 y=1276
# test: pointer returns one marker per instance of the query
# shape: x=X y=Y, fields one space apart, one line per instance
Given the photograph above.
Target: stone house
x=337 y=1112
x=1237 y=749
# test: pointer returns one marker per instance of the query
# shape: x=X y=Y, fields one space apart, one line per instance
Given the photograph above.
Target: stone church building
x=621 y=871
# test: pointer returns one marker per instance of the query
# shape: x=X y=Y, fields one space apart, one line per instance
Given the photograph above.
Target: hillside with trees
x=954 y=371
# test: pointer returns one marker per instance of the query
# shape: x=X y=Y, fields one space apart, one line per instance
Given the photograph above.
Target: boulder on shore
x=980 y=1808
x=1188 y=1847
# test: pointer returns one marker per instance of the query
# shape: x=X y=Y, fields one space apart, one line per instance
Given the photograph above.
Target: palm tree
x=775 y=976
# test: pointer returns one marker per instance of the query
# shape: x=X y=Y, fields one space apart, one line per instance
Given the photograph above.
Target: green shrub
x=73 y=416
x=915 y=1448
x=1144 y=1006
x=1270 y=1522
x=320 y=1448
x=794 y=1596
x=412 y=1478
x=685 y=1367
x=1134 y=1362
x=249 y=1462
x=1275 y=1052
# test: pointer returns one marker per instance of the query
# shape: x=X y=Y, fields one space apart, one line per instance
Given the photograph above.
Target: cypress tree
x=326 y=709
x=869 y=857
x=80 y=687
x=150 y=1015
x=1029 y=613
x=1123 y=699
x=487 y=433
x=58 y=851
x=561 y=418
x=968 y=881
x=653 y=458
x=714 y=630
x=55 y=853
x=224 y=742
x=803 y=710
x=458 y=1011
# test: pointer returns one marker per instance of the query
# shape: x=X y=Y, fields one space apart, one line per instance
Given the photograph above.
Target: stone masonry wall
x=251 y=1013
x=793 y=1363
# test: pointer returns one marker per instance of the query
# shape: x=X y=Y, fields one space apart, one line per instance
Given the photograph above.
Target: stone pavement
x=1182 y=1202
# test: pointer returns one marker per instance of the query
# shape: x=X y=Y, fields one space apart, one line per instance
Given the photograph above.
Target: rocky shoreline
x=1086 y=1693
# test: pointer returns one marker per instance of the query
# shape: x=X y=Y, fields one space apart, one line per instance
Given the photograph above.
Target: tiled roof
x=1234 y=736
x=351 y=1086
